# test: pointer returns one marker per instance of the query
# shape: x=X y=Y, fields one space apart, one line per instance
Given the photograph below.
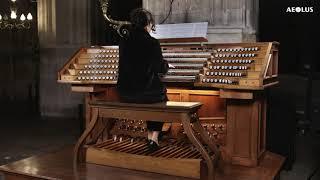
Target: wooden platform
x=59 y=166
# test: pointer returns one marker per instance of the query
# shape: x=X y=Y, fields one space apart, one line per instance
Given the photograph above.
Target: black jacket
x=140 y=64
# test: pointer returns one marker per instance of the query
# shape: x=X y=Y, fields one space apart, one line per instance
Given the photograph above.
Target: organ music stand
x=181 y=33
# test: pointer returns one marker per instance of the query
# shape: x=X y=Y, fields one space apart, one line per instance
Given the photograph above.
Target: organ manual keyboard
x=230 y=66
x=228 y=79
x=93 y=65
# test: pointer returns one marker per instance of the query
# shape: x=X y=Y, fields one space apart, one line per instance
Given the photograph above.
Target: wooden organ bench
x=176 y=158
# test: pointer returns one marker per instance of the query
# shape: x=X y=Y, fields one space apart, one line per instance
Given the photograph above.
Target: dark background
x=119 y=10
x=294 y=103
x=298 y=33
x=19 y=74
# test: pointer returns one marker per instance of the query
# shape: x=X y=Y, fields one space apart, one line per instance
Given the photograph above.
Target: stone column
x=229 y=20
x=251 y=20
x=64 y=27
x=46 y=22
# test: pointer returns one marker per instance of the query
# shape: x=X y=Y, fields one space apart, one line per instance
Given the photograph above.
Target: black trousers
x=147 y=99
x=154 y=125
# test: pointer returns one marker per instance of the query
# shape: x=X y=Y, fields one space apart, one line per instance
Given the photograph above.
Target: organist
x=140 y=64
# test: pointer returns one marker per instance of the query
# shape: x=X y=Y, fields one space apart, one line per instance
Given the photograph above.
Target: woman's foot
x=153 y=142
x=154 y=136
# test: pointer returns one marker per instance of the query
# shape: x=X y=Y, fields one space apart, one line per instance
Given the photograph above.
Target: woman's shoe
x=152 y=146
x=165 y=131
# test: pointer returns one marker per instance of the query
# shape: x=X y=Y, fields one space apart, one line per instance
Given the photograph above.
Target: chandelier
x=24 y=22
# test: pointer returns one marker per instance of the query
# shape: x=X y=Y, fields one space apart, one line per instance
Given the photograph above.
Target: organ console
x=228 y=79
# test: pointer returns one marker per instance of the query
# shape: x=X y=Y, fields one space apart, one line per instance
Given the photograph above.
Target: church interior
x=247 y=93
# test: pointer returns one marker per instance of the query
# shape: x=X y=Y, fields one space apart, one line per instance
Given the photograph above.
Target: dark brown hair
x=140 y=18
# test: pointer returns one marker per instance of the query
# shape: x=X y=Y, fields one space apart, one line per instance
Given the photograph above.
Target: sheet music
x=183 y=30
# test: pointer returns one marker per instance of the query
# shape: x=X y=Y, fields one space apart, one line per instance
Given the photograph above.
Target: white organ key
x=199 y=54
x=177 y=59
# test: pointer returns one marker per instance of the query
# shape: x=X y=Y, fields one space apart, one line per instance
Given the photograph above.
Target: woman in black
x=140 y=64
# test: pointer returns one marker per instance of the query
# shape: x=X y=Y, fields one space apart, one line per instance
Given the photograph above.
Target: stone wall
x=64 y=27
x=229 y=20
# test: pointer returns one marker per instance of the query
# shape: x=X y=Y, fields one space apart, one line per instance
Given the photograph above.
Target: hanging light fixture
x=14 y=22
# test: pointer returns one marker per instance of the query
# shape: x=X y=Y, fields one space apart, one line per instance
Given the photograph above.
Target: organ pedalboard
x=137 y=129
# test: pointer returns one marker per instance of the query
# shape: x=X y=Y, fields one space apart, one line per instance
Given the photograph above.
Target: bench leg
x=212 y=145
x=186 y=122
x=85 y=134
x=218 y=162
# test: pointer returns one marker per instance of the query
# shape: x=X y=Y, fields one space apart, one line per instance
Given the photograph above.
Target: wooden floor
x=59 y=166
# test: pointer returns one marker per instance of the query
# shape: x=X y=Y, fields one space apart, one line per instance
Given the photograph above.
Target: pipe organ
x=228 y=79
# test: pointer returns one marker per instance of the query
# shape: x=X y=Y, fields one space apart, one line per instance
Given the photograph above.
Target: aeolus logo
x=300 y=10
